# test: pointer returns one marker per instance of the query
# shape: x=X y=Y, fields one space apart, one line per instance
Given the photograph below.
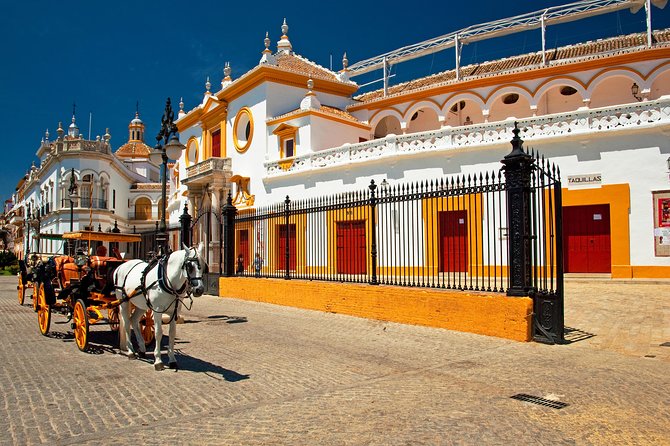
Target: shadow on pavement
x=228 y=319
x=193 y=364
x=575 y=335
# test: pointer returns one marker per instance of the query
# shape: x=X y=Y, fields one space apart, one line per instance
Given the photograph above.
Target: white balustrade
x=552 y=126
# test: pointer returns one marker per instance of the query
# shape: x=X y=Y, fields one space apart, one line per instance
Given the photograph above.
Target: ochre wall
x=481 y=313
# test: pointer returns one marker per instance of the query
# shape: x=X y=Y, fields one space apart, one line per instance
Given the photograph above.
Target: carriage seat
x=66 y=270
x=103 y=268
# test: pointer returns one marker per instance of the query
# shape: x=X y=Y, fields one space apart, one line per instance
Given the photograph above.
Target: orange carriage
x=81 y=287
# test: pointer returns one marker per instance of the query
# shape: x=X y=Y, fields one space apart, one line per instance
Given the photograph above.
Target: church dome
x=135 y=147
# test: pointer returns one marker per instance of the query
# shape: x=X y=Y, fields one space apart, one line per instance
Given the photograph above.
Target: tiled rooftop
x=326 y=109
x=298 y=64
x=133 y=150
x=609 y=46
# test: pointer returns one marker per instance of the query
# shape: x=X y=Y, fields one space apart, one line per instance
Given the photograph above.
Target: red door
x=280 y=254
x=351 y=247
x=454 y=241
x=243 y=249
x=586 y=239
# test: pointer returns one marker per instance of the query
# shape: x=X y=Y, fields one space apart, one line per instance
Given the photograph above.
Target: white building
x=600 y=110
x=113 y=190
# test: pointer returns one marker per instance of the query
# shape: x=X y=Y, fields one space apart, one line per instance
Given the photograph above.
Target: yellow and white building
x=600 y=110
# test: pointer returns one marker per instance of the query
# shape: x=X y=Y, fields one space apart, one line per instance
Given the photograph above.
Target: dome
x=137 y=120
x=73 y=130
x=133 y=150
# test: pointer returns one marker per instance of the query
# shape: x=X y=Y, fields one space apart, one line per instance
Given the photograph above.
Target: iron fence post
x=220 y=226
x=229 y=212
x=287 y=253
x=185 y=221
x=373 y=232
x=518 y=166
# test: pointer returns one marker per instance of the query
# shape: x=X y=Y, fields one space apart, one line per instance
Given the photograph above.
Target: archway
x=143 y=209
x=508 y=104
x=463 y=112
x=387 y=125
x=613 y=90
x=423 y=120
x=560 y=98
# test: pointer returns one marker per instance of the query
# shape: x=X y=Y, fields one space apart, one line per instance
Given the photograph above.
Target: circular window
x=243 y=130
x=192 y=151
x=568 y=91
x=511 y=98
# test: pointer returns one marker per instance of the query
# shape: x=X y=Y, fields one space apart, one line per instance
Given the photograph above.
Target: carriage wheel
x=113 y=316
x=34 y=297
x=43 y=310
x=147 y=327
x=21 y=290
x=80 y=320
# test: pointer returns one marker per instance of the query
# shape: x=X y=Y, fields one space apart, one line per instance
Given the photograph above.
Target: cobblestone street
x=259 y=374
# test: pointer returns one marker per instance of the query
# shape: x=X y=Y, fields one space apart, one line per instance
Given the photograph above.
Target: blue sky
x=106 y=56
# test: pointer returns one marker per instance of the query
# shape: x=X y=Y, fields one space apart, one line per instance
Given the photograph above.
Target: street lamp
x=72 y=191
x=168 y=147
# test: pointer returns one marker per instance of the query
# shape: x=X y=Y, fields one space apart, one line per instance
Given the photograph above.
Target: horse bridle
x=191 y=281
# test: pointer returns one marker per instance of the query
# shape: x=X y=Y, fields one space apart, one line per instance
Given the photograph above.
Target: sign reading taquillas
x=583 y=180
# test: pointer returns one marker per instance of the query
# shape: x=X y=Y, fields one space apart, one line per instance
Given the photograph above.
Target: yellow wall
x=481 y=313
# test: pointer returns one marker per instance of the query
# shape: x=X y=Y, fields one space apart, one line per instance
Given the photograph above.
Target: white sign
x=597 y=216
x=583 y=180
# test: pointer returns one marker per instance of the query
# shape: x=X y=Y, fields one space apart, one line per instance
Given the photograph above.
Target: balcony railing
x=208 y=167
x=552 y=126
x=87 y=203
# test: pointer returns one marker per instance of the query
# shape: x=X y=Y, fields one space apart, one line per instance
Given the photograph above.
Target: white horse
x=160 y=286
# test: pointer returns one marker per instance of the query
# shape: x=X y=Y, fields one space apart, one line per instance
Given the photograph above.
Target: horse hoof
x=132 y=355
x=173 y=365
x=158 y=367
x=142 y=355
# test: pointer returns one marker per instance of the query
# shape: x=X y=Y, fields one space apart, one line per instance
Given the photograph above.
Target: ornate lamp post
x=72 y=192
x=168 y=147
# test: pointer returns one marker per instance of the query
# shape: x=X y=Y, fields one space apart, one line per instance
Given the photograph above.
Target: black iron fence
x=497 y=231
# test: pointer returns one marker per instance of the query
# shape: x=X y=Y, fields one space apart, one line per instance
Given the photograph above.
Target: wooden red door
x=586 y=239
x=280 y=253
x=243 y=248
x=454 y=241
x=351 y=247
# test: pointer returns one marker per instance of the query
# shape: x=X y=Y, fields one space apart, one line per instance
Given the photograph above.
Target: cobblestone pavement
x=259 y=374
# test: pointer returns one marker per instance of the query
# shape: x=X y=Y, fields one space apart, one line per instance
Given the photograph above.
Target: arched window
x=143 y=209
x=86 y=190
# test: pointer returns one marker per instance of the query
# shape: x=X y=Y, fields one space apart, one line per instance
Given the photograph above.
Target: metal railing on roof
x=524 y=22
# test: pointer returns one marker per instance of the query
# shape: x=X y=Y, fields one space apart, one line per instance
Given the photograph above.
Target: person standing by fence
x=258 y=264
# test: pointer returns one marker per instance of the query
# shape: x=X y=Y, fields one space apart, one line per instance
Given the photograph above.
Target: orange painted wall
x=481 y=313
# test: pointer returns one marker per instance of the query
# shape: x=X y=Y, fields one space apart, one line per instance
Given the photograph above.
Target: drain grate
x=539 y=401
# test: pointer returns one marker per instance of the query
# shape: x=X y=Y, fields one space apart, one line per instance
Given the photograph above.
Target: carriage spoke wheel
x=43 y=310
x=147 y=327
x=21 y=290
x=113 y=316
x=34 y=297
x=80 y=321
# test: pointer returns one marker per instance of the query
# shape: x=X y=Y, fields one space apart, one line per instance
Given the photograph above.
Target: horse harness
x=163 y=282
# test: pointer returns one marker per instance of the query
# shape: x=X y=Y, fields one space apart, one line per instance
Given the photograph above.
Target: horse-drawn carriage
x=98 y=289
x=81 y=286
